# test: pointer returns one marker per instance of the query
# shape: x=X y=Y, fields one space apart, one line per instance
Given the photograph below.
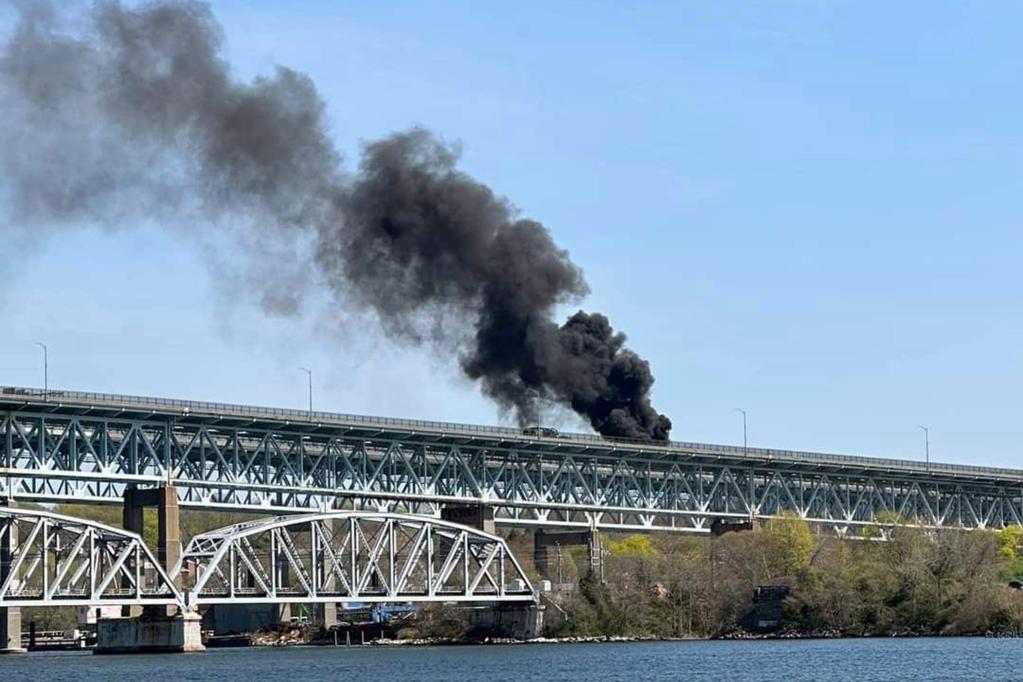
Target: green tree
x=789 y=543
x=638 y=546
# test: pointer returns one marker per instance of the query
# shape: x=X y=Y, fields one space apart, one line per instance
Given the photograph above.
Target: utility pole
x=752 y=474
x=745 y=446
x=309 y=373
x=46 y=369
x=927 y=445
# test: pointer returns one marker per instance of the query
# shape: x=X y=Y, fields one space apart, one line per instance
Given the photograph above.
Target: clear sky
x=807 y=209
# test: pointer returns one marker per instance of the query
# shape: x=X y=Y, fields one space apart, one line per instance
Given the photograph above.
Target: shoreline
x=617 y=639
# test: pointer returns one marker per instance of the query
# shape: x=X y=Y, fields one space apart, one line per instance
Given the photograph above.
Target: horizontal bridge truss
x=63 y=452
x=362 y=557
x=54 y=560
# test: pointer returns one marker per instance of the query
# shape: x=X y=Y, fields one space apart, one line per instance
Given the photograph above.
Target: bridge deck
x=414 y=430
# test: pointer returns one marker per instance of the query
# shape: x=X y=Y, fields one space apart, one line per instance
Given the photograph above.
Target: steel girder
x=54 y=560
x=232 y=459
x=350 y=556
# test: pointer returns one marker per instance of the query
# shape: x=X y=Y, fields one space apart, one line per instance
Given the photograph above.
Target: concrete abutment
x=522 y=621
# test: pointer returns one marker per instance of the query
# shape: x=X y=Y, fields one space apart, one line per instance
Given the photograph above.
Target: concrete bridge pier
x=168 y=532
x=522 y=621
x=480 y=516
x=153 y=629
x=325 y=615
x=548 y=546
x=10 y=617
x=150 y=633
x=165 y=499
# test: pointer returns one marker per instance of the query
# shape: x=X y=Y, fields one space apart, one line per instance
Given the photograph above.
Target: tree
x=789 y=543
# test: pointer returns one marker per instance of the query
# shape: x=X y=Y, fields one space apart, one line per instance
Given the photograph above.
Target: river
x=866 y=660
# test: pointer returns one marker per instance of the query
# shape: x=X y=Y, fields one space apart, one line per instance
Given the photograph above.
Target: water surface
x=856 y=660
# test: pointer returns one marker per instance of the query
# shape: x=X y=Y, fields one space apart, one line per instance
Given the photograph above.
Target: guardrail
x=450 y=428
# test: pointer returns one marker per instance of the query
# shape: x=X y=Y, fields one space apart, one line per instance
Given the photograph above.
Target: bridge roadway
x=86 y=447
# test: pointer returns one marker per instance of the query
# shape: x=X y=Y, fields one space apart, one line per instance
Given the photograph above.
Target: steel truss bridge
x=86 y=447
x=49 y=559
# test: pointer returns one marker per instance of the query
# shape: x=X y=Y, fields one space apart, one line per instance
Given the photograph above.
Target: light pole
x=927 y=444
x=309 y=373
x=46 y=369
x=745 y=447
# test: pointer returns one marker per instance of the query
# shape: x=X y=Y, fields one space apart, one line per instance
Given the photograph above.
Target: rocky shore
x=439 y=641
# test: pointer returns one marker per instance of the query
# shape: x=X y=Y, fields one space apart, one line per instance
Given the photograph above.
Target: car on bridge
x=541 y=432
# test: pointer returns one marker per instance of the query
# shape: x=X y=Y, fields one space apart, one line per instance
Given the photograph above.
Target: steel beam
x=91 y=447
x=350 y=556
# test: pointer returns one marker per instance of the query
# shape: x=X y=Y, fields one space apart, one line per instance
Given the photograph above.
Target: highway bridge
x=89 y=447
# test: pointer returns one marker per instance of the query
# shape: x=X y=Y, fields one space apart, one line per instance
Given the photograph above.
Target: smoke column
x=111 y=114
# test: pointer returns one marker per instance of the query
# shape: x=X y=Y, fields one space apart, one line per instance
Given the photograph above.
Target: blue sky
x=806 y=209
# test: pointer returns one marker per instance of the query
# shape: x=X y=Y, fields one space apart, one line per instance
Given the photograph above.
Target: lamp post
x=46 y=369
x=745 y=447
x=536 y=405
x=309 y=374
x=927 y=445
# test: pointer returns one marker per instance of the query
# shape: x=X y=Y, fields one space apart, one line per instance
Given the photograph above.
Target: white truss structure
x=49 y=559
x=354 y=556
x=87 y=447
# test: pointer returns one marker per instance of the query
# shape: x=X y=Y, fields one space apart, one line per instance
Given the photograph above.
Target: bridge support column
x=283 y=579
x=168 y=536
x=10 y=617
x=521 y=621
x=149 y=635
x=325 y=615
x=719 y=527
x=480 y=516
x=548 y=546
x=165 y=499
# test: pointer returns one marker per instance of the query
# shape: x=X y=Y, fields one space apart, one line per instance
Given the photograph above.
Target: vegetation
x=914 y=582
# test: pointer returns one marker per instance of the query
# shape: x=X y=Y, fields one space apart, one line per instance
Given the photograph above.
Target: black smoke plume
x=112 y=114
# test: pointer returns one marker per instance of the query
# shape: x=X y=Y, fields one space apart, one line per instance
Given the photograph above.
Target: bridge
x=60 y=446
x=55 y=560
x=49 y=559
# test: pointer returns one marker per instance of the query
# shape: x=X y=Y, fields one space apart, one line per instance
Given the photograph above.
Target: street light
x=745 y=448
x=927 y=444
x=309 y=373
x=46 y=369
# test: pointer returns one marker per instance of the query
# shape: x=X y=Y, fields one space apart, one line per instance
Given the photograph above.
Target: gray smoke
x=114 y=113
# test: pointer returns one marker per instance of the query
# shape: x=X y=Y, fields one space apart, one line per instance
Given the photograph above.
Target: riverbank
x=448 y=641
x=293 y=640
x=291 y=637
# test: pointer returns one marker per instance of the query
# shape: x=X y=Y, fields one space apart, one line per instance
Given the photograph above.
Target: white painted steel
x=56 y=560
x=353 y=557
